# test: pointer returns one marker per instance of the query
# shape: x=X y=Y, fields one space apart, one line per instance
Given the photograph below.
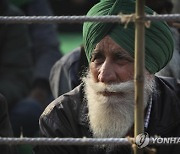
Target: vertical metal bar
x=139 y=72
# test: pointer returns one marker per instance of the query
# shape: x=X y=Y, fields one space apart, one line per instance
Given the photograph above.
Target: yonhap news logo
x=143 y=139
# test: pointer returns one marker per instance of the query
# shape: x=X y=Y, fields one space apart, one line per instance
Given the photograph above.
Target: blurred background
x=73 y=32
x=70 y=35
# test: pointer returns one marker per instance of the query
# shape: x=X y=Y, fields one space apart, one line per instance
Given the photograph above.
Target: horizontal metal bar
x=87 y=141
x=81 y=19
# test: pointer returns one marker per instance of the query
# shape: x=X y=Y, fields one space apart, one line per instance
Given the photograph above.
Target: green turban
x=158 y=38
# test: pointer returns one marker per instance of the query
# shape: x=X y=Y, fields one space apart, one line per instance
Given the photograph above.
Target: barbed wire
x=81 y=19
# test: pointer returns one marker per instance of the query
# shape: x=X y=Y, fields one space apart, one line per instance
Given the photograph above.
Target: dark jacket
x=67 y=117
x=67 y=71
x=5 y=127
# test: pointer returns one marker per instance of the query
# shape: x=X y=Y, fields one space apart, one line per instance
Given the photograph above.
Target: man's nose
x=107 y=73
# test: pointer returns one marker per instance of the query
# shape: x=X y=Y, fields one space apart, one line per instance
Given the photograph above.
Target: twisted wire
x=81 y=19
x=164 y=17
x=85 y=141
x=56 y=19
x=64 y=141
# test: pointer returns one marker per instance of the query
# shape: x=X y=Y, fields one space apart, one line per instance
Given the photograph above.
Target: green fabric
x=158 y=38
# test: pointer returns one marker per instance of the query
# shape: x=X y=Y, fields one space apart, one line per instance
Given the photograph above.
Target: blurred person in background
x=16 y=64
x=176 y=6
x=166 y=7
x=5 y=127
x=45 y=52
x=15 y=57
x=66 y=73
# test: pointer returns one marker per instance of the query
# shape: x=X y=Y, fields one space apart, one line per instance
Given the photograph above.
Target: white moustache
x=115 y=87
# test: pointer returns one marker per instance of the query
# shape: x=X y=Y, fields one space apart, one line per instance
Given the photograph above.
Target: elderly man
x=102 y=106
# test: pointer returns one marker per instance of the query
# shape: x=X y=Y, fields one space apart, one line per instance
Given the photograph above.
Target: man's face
x=109 y=90
x=110 y=63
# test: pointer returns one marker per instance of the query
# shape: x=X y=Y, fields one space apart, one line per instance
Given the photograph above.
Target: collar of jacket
x=165 y=111
x=83 y=112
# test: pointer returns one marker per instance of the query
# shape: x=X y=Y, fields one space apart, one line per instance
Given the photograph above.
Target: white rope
x=81 y=19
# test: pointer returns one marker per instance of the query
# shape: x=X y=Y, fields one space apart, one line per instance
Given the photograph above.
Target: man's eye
x=97 y=58
x=119 y=57
x=123 y=58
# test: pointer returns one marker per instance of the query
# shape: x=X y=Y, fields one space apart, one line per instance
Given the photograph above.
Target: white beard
x=112 y=116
